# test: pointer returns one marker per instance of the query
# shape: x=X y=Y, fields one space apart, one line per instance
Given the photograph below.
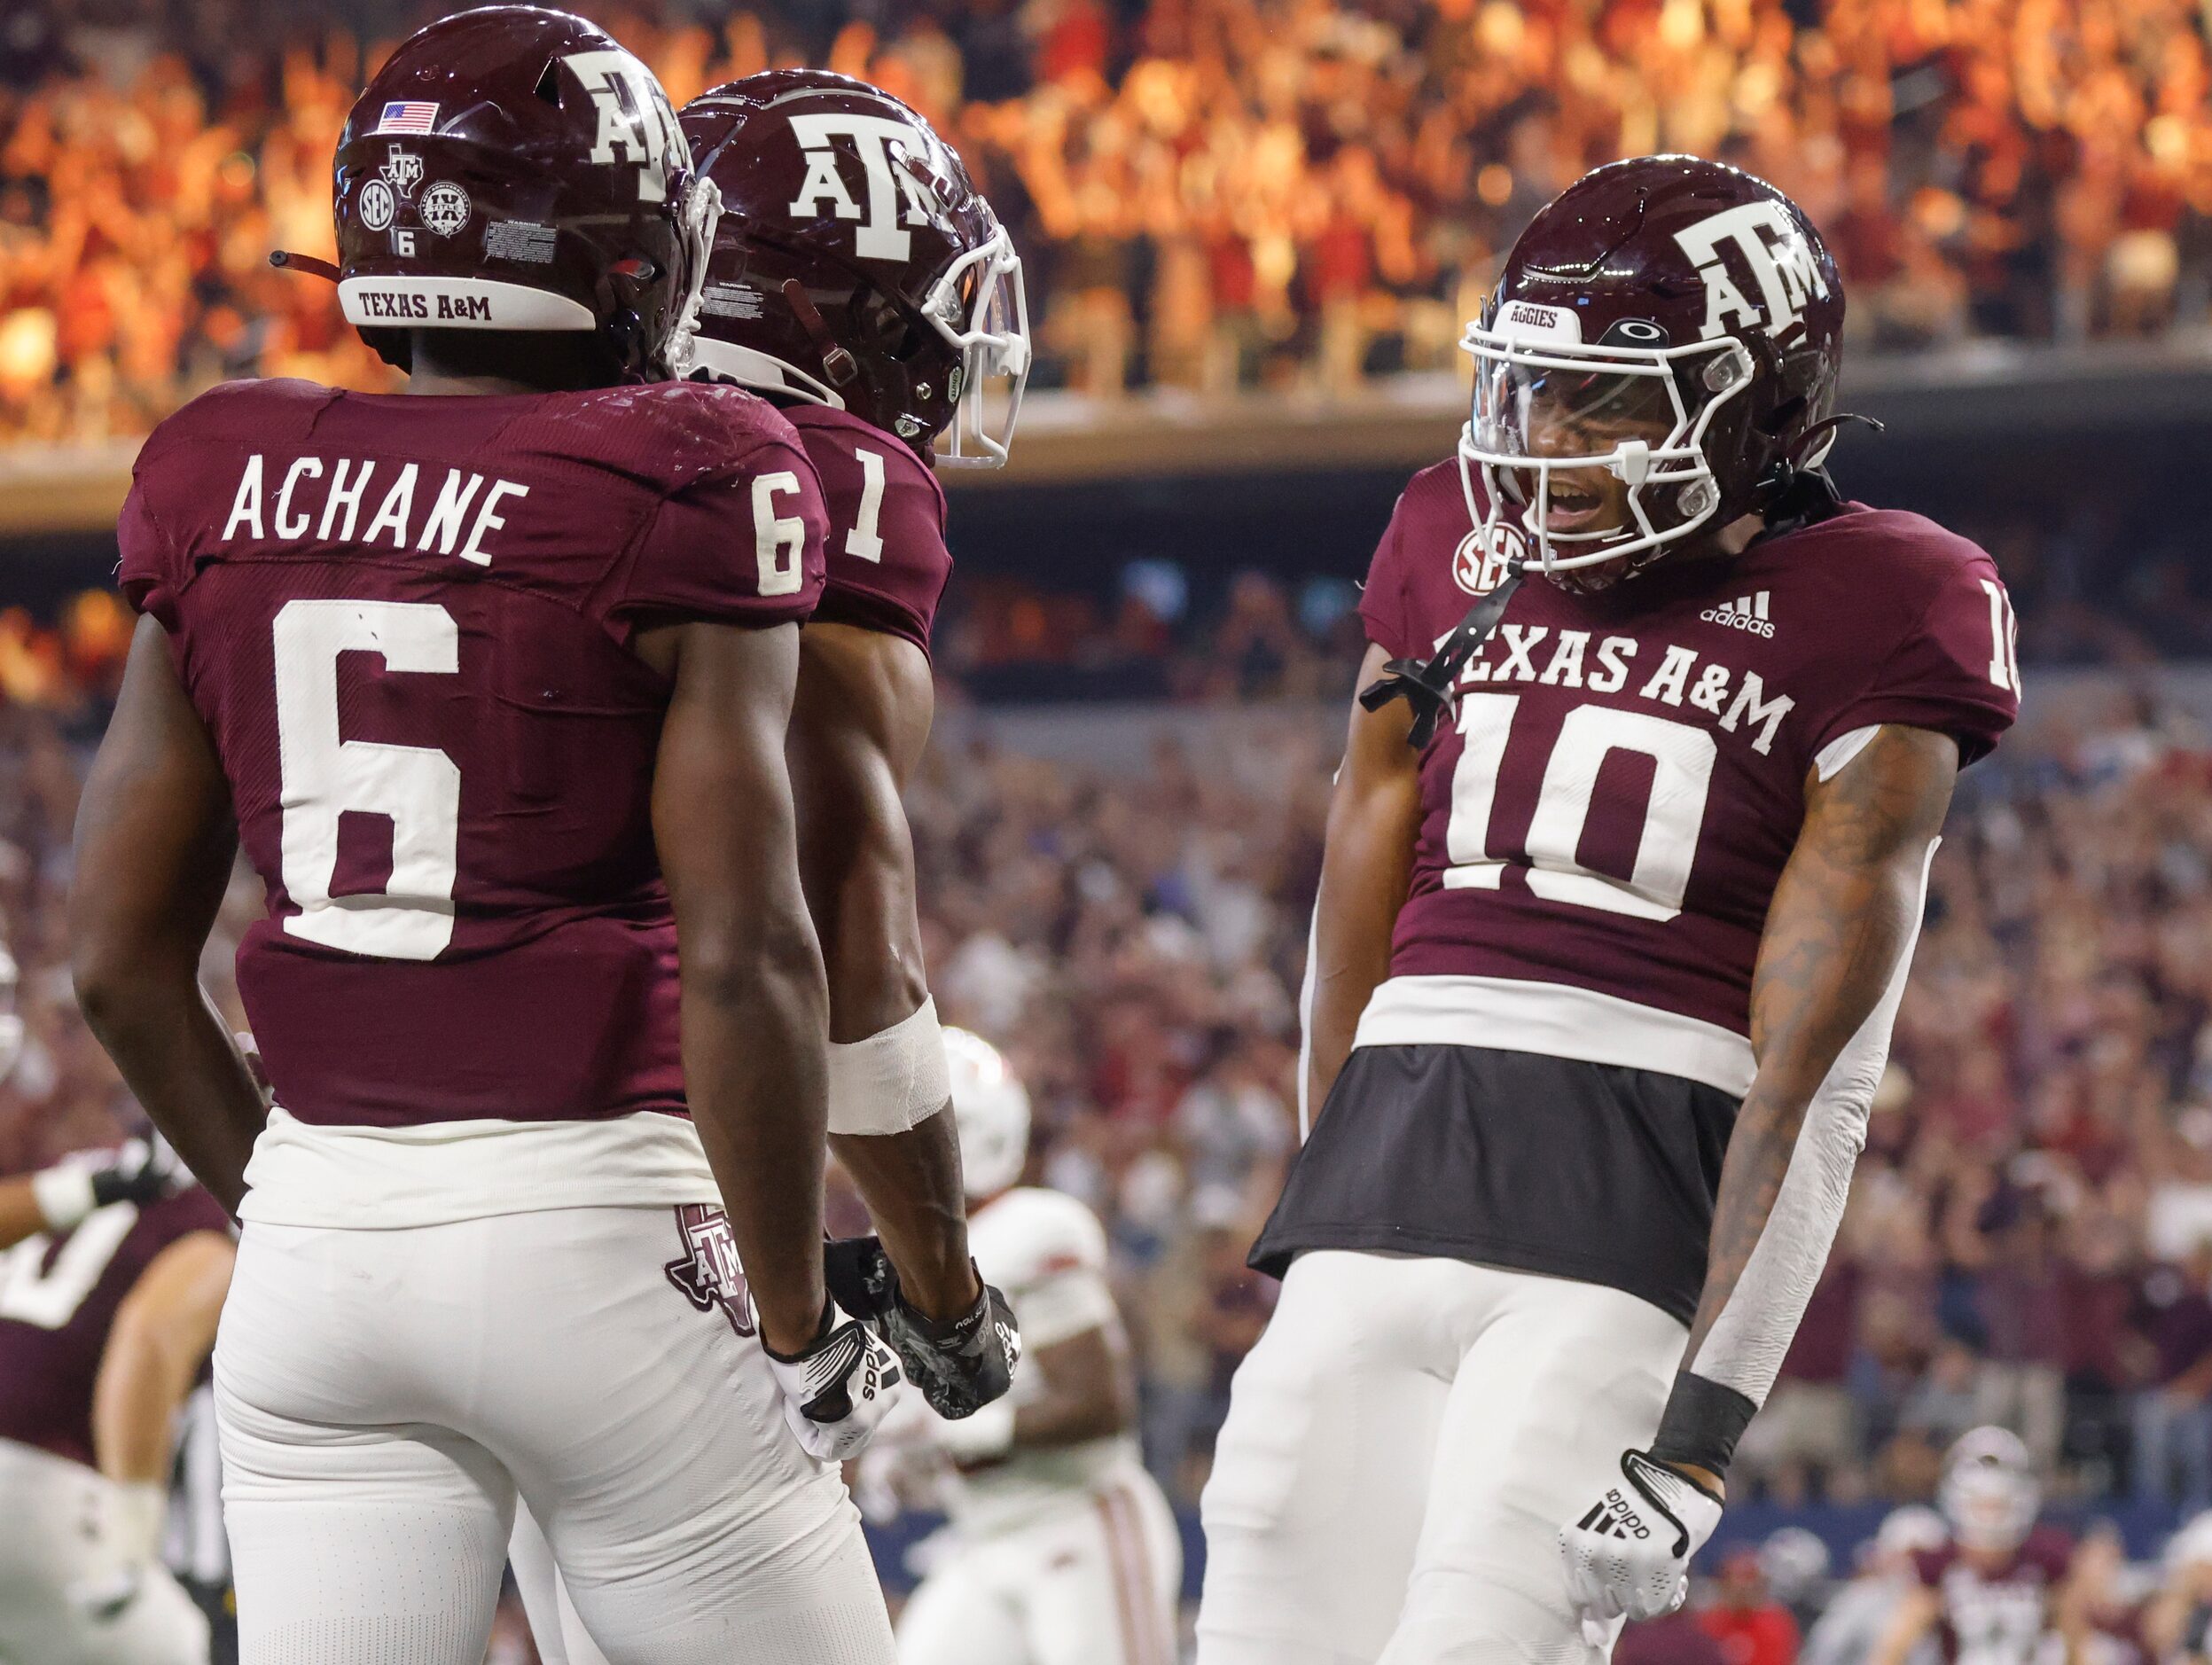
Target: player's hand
x=1629 y=1553
x=143 y=1171
x=837 y=1391
x=961 y=1365
x=128 y=1552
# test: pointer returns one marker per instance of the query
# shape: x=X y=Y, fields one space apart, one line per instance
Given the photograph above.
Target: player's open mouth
x=1571 y=508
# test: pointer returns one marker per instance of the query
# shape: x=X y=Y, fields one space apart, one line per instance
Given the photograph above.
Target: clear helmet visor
x=981 y=309
x=1597 y=452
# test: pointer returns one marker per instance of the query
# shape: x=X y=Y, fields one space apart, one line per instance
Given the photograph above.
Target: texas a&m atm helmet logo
x=1770 y=241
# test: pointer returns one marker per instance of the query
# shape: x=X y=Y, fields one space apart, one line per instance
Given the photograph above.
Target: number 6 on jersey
x=416 y=787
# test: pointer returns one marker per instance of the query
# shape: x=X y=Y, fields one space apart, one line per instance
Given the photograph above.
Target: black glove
x=960 y=1365
x=143 y=1171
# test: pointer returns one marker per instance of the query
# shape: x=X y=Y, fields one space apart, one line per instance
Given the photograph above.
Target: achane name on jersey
x=339 y=487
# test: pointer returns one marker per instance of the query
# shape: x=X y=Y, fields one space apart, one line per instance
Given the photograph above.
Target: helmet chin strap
x=1427 y=685
x=284 y=260
x=837 y=363
x=1796 y=495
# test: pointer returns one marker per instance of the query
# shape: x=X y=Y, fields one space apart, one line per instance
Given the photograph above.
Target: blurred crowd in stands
x=1209 y=194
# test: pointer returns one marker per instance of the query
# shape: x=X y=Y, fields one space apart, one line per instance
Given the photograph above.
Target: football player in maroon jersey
x=1605 y=961
x=107 y=1311
x=1995 y=1594
x=492 y=685
x=861 y=283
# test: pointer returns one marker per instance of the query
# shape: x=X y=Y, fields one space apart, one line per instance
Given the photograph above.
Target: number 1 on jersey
x=865 y=542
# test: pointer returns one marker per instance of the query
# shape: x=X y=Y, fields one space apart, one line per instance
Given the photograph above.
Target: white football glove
x=1629 y=1553
x=128 y=1550
x=837 y=1391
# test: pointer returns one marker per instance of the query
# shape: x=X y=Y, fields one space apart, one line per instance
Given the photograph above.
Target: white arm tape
x=893 y=1080
x=1744 y=1348
x=63 y=1195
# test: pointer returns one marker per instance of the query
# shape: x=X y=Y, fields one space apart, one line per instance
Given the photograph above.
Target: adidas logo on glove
x=1614 y=1516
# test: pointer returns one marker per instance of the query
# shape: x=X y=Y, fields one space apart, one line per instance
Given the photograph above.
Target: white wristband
x=63 y=1195
x=892 y=1081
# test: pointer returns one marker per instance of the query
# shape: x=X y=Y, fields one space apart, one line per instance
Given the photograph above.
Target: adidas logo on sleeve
x=1746 y=612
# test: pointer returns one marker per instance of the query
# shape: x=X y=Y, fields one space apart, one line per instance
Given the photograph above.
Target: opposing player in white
x=1062 y=1550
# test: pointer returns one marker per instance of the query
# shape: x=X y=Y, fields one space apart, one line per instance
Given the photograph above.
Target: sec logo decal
x=1478 y=570
x=376 y=205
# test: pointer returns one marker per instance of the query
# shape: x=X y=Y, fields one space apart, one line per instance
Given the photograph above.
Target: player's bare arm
x=755 y=1006
x=1089 y=1391
x=163 y=1333
x=1838 y=935
x=57 y=1199
x=1374 y=815
x=154 y=842
x=21 y=1216
x=1844 y=917
x=858 y=729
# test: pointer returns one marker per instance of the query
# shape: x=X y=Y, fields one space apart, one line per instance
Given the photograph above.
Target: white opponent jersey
x=1048 y=1253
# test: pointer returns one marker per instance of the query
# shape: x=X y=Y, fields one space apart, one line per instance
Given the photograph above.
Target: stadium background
x=1253 y=229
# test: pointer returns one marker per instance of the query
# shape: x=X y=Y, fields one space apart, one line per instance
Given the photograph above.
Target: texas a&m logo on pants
x=708 y=1272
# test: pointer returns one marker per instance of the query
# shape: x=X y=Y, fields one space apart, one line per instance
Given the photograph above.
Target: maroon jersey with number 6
x=58 y=1297
x=1626 y=776
x=406 y=621
x=884 y=563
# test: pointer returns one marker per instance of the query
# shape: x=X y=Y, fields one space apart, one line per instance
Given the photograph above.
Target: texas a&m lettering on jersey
x=406 y=621
x=1604 y=822
x=884 y=563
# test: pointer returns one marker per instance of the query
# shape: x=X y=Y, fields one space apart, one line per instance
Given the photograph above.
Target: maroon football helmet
x=855 y=265
x=514 y=169
x=1667 y=297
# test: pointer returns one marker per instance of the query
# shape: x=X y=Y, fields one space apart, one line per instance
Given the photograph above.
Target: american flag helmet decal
x=408 y=116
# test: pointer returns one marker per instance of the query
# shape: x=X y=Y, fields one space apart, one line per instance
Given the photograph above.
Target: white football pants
x=1401 y=1449
x=68 y=1594
x=385 y=1395
x=1094 y=1583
